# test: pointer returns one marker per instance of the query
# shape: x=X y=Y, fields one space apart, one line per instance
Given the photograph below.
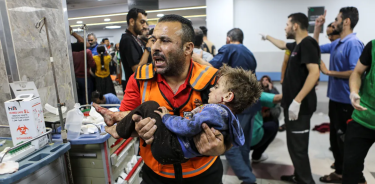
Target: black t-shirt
x=366 y=56
x=308 y=51
x=130 y=52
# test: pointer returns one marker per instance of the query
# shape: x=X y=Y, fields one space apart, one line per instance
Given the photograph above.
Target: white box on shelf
x=25 y=114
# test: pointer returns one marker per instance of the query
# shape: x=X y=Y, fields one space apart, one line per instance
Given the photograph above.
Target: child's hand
x=163 y=112
x=198 y=102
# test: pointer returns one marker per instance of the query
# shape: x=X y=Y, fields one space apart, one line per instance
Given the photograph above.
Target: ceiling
x=91 y=12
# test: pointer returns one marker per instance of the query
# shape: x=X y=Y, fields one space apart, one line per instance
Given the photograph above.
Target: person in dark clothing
x=267 y=85
x=270 y=114
x=360 y=131
x=344 y=54
x=299 y=95
x=132 y=51
x=79 y=70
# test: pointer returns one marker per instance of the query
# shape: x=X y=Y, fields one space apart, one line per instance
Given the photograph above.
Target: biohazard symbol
x=22 y=129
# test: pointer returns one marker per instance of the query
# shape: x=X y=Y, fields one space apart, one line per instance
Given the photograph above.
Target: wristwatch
x=149 y=49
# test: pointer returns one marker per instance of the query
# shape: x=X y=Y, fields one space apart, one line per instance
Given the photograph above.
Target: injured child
x=235 y=90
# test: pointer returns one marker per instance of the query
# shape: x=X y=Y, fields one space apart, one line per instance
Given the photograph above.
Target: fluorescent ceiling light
x=79 y=22
x=176 y=9
x=103 y=23
x=122 y=22
x=112 y=27
x=107 y=20
x=160 y=15
x=150 y=11
x=97 y=16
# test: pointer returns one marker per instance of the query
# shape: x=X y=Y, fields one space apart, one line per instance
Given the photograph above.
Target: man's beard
x=92 y=44
x=290 y=35
x=137 y=31
x=338 y=28
x=175 y=63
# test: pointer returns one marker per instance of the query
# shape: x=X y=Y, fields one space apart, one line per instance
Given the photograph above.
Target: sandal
x=331 y=178
x=282 y=128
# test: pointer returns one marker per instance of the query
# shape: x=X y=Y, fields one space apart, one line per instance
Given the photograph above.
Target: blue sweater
x=217 y=116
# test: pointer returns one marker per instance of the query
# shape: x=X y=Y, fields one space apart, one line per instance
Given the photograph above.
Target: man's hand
x=294 y=110
x=163 y=112
x=145 y=128
x=150 y=41
x=264 y=36
x=270 y=86
x=281 y=81
x=356 y=99
x=210 y=142
x=321 y=19
x=323 y=68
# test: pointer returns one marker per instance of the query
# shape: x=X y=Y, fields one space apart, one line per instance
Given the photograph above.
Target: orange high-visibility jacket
x=200 y=78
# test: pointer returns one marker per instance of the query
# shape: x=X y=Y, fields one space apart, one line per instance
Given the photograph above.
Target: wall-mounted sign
x=312 y=15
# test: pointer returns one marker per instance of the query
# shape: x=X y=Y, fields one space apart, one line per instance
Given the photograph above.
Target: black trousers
x=358 y=140
x=270 y=131
x=81 y=90
x=165 y=148
x=339 y=114
x=297 y=137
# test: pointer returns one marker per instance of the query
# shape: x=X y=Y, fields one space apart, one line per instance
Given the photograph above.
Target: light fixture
x=107 y=20
x=151 y=11
x=160 y=15
x=112 y=27
x=103 y=23
x=79 y=22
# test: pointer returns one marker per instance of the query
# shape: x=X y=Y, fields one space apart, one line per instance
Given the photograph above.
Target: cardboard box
x=25 y=114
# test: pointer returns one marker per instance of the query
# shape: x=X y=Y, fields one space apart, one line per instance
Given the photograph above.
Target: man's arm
x=355 y=83
x=319 y=22
x=145 y=55
x=278 y=43
x=310 y=82
x=343 y=75
x=283 y=68
x=355 y=80
x=77 y=36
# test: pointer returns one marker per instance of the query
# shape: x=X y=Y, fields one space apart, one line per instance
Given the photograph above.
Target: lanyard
x=139 y=42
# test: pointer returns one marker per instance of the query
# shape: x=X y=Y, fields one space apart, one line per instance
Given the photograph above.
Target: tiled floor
x=279 y=162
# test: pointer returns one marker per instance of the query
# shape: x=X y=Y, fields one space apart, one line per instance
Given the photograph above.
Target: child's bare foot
x=109 y=116
x=112 y=131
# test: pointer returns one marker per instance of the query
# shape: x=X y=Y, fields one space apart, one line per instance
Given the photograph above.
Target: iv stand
x=84 y=27
x=39 y=25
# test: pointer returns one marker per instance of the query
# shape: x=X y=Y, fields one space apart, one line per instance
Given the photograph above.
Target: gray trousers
x=297 y=136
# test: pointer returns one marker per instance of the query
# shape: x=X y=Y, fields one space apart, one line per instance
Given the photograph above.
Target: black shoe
x=290 y=179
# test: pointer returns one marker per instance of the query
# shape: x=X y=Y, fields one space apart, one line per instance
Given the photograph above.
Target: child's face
x=218 y=92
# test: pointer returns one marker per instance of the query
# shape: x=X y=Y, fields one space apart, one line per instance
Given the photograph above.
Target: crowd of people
x=189 y=104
